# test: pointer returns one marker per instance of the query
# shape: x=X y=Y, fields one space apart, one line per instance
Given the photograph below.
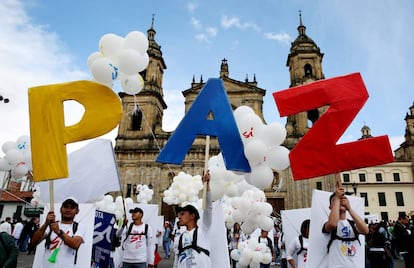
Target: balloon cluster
x=144 y=194
x=107 y=204
x=18 y=157
x=250 y=209
x=250 y=253
x=262 y=146
x=120 y=59
x=225 y=182
x=183 y=190
x=36 y=200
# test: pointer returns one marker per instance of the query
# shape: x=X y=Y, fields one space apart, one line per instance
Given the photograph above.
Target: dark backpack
x=335 y=236
x=74 y=229
x=193 y=244
x=9 y=250
x=115 y=241
x=269 y=243
x=130 y=230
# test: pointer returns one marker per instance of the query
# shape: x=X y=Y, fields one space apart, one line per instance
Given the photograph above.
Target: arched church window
x=136 y=120
x=308 y=70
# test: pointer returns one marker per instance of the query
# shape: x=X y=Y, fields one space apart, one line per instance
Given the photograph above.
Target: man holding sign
x=194 y=243
x=344 y=247
x=63 y=238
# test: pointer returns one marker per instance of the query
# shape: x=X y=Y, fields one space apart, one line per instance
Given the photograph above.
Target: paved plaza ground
x=26 y=261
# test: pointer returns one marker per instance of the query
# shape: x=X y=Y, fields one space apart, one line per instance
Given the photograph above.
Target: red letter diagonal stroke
x=317 y=153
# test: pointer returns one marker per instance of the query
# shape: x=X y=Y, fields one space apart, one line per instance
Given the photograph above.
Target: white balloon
x=242 y=111
x=267 y=258
x=128 y=201
x=8 y=145
x=248 y=227
x=265 y=223
x=246 y=256
x=278 y=158
x=110 y=44
x=14 y=156
x=255 y=151
x=273 y=134
x=92 y=57
x=23 y=142
x=249 y=125
x=136 y=40
x=261 y=176
x=235 y=254
x=19 y=171
x=257 y=257
x=104 y=71
x=131 y=61
x=132 y=84
x=108 y=199
x=4 y=164
x=27 y=158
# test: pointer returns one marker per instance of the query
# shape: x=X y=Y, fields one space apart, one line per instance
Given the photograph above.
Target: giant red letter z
x=317 y=153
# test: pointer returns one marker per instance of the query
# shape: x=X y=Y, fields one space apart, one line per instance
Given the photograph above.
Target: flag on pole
x=92 y=173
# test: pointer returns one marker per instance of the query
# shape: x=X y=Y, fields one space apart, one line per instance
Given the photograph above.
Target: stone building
x=140 y=135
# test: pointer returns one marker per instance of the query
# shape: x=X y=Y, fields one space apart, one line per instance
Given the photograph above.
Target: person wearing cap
x=194 y=242
x=66 y=234
x=344 y=248
x=138 y=242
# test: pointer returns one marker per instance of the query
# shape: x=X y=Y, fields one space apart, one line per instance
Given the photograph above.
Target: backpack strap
x=301 y=245
x=193 y=245
x=130 y=230
x=346 y=239
x=75 y=226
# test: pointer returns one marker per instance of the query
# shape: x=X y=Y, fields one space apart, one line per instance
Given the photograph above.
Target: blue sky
x=47 y=41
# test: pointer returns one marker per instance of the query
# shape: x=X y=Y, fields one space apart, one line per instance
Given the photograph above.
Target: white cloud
x=202 y=38
x=234 y=22
x=211 y=31
x=280 y=37
x=30 y=56
x=175 y=111
x=191 y=6
x=196 y=23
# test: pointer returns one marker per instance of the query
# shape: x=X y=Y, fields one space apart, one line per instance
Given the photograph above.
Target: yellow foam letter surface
x=48 y=133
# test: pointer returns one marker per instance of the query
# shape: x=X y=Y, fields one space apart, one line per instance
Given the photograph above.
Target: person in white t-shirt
x=298 y=247
x=64 y=237
x=194 y=243
x=138 y=242
x=344 y=247
x=281 y=244
x=6 y=226
x=17 y=231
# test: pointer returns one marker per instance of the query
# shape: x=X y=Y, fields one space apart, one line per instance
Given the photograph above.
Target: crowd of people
x=21 y=231
x=187 y=240
x=16 y=236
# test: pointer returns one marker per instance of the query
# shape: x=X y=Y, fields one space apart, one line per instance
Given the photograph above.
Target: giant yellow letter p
x=48 y=132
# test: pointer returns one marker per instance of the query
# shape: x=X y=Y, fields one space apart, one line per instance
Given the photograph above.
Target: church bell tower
x=305 y=66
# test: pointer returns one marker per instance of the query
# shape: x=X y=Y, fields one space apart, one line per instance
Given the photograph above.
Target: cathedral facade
x=141 y=137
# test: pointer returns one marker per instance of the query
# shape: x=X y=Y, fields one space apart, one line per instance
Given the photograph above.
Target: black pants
x=408 y=259
x=378 y=259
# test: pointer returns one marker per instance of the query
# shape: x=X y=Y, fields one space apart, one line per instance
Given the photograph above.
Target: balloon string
x=136 y=109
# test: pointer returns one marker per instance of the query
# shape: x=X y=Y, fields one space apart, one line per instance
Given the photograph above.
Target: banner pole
x=206 y=156
x=51 y=196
